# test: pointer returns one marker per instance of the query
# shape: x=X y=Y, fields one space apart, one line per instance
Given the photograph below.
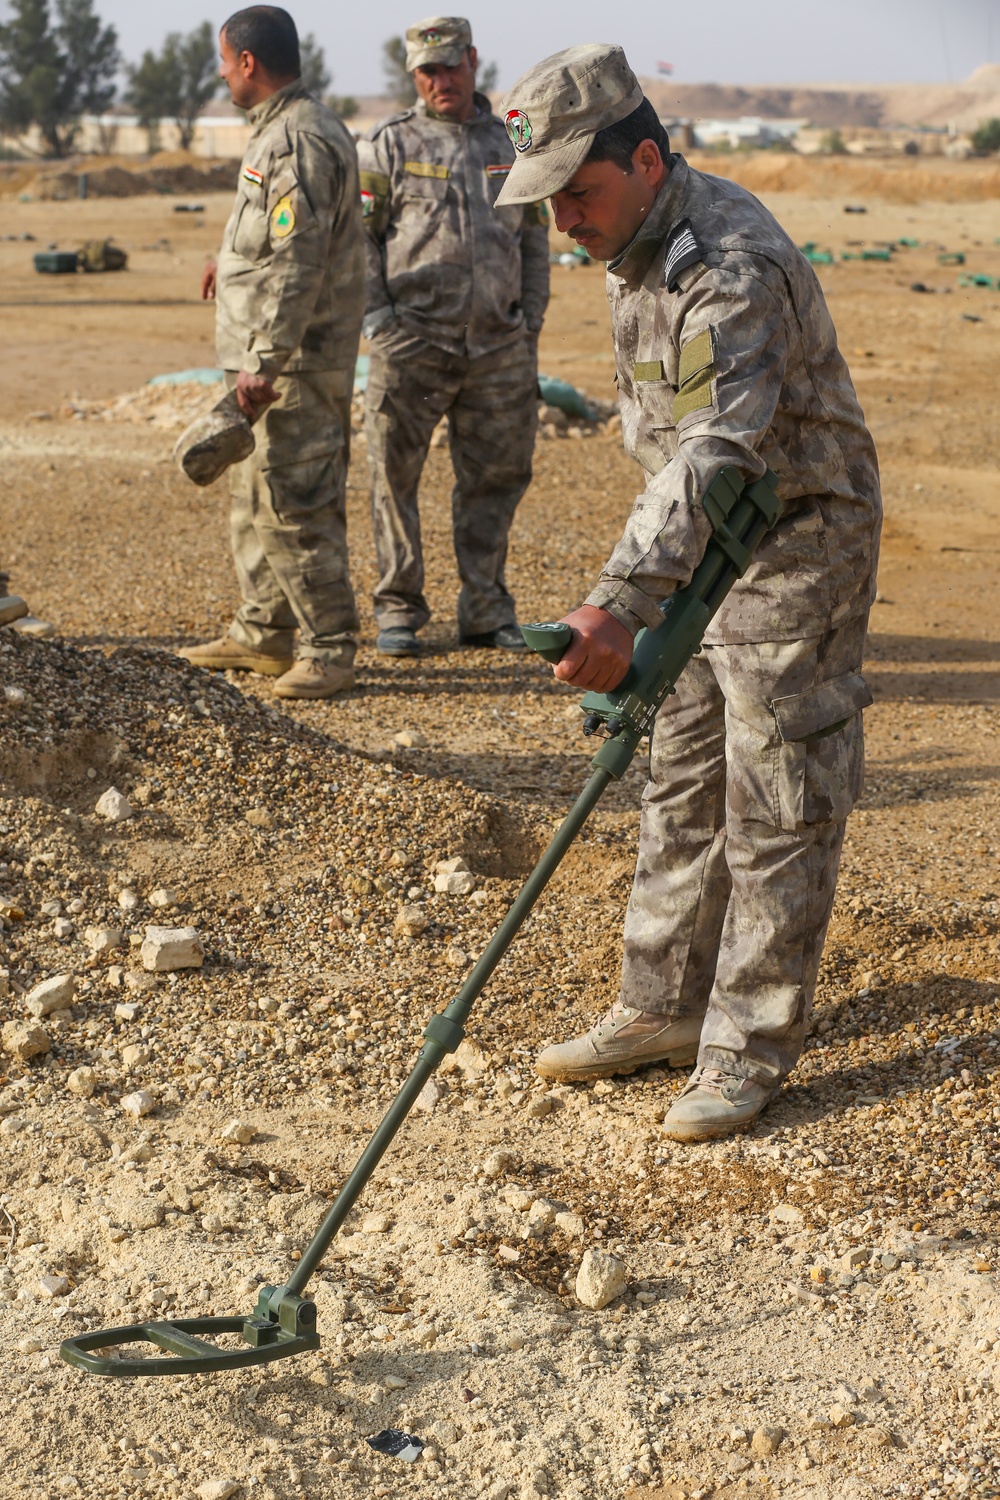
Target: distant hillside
x=964 y=105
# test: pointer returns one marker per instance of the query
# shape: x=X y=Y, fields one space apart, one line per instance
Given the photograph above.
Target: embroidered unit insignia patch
x=518 y=128
x=682 y=251
x=283 y=218
x=367 y=204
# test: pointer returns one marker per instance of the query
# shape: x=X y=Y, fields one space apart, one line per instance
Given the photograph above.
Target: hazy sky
x=727 y=41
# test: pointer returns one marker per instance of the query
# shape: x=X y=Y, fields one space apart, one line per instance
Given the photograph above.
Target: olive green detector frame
x=284 y=1321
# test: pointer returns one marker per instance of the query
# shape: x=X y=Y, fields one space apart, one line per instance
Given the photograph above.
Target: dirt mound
x=839 y=177
x=114 y=180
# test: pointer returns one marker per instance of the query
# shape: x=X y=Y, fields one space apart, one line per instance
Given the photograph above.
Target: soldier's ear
x=473 y=59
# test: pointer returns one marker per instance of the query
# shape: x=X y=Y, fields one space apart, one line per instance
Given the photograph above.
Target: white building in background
x=748 y=131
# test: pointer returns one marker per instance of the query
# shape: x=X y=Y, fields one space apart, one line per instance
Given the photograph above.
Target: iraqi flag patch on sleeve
x=498 y=169
x=250 y=174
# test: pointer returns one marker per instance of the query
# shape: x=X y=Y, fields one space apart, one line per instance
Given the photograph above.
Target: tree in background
x=315 y=74
x=51 y=74
x=987 y=137
x=487 y=76
x=399 y=80
x=175 y=84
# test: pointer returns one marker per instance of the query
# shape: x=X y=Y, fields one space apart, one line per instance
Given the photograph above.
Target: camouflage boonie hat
x=554 y=111
x=212 y=442
x=439 y=39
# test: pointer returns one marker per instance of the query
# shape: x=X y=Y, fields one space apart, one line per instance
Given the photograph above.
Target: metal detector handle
x=549 y=641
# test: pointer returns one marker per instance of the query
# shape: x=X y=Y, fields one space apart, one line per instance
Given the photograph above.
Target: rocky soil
x=811 y=1309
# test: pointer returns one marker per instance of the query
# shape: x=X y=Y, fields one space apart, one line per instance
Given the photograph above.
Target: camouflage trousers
x=288 y=522
x=755 y=764
x=491 y=406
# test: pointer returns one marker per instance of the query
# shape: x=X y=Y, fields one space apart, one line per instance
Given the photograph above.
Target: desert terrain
x=812 y=1309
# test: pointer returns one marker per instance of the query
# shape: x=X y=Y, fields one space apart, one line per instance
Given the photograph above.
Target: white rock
x=450 y=866
x=600 y=1279
x=52 y=994
x=410 y=921
x=82 y=1082
x=138 y=1104
x=571 y=1225
x=217 y=1489
x=497 y=1163
x=62 y=927
x=240 y=1131
x=103 y=939
x=376 y=1224
x=126 y=1010
x=467 y=1058
x=139 y=984
x=458 y=883
x=430 y=1096
x=25 y=1039
x=855 y=1259
x=135 y=1055
x=165 y=949
x=53 y=1286
x=508 y=1253
x=212 y=1225
x=113 y=807
x=787 y=1213
x=394 y=1383
x=456 y=957
x=162 y=897
x=410 y=739
x=542 y=1213
x=128 y=899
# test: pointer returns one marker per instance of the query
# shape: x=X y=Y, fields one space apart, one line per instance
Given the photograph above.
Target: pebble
x=138 y=1104
x=600 y=1279
x=103 y=939
x=410 y=739
x=542 y=1213
x=430 y=1096
x=855 y=1259
x=840 y=1416
x=53 y=1286
x=538 y=1106
x=126 y=1010
x=787 y=1213
x=240 y=1131
x=459 y=883
x=133 y=1056
x=212 y=1225
x=62 y=927
x=498 y=1162
x=166 y=949
x=767 y=1440
x=394 y=1383
x=217 y=1489
x=376 y=1224
x=113 y=807
x=571 y=1225
x=454 y=866
x=410 y=921
x=82 y=1082
x=163 y=896
x=139 y=983
x=25 y=1040
x=52 y=994
x=455 y=957
x=128 y=899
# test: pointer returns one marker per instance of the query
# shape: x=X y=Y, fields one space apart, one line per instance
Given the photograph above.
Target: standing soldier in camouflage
x=289 y=301
x=455 y=298
x=726 y=354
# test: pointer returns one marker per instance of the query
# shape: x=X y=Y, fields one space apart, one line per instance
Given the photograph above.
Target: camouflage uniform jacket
x=457 y=272
x=290 y=278
x=726 y=354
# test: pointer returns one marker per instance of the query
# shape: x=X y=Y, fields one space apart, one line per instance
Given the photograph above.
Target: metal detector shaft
x=446 y=1030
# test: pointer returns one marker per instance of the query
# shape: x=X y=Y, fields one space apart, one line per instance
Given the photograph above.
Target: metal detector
x=284 y=1321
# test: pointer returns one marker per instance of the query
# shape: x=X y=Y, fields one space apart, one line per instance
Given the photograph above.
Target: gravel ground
x=810 y=1309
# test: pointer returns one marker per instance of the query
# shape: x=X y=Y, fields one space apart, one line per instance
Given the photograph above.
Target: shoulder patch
x=682 y=251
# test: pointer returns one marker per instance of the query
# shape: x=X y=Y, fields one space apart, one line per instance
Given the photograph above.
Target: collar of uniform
x=275 y=102
x=633 y=262
x=483 y=115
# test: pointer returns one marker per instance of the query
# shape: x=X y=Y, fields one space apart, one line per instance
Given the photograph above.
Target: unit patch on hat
x=430 y=38
x=283 y=218
x=498 y=169
x=682 y=251
x=250 y=174
x=518 y=128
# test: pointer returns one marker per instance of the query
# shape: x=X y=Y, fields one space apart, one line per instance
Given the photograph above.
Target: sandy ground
x=812 y=1309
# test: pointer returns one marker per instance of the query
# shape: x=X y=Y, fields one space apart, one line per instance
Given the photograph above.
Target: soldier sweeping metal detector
x=284 y=1320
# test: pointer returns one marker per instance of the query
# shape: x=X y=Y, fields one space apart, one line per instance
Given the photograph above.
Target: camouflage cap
x=439 y=39
x=207 y=447
x=554 y=111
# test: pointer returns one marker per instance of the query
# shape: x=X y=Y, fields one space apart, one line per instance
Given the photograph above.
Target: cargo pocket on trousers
x=819 y=754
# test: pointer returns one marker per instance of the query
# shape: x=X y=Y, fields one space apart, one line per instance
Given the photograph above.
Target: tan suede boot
x=620 y=1042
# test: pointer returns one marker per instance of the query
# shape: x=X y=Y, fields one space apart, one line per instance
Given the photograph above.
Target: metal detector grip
x=549 y=641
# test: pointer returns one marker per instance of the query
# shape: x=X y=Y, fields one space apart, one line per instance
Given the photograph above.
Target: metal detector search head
x=265 y=1338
